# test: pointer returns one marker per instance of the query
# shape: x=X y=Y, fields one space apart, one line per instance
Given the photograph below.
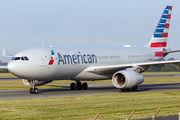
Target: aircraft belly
x=91 y=76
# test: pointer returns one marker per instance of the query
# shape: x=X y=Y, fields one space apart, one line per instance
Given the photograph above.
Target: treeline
x=4 y=71
x=167 y=68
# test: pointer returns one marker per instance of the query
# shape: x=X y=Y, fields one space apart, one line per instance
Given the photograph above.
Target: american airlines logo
x=77 y=59
x=52 y=58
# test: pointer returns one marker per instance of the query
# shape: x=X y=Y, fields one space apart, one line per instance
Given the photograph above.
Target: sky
x=27 y=24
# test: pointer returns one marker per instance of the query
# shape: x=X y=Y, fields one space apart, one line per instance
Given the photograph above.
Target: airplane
x=124 y=65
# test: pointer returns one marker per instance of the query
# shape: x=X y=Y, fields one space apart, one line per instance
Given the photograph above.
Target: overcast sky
x=30 y=23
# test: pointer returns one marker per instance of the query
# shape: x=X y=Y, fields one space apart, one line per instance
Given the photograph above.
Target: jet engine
x=37 y=83
x=125 y=79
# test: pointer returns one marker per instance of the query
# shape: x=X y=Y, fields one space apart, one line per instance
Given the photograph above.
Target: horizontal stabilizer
x=5 y=54
x=171 y=51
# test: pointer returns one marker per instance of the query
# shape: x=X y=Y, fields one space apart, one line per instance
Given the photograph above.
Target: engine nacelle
x=37 y=83
x=127 y=79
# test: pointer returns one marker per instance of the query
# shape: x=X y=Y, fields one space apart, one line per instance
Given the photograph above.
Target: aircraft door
x=42 y=59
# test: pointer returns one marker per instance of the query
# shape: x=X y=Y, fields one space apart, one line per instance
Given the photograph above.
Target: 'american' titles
x=77 y=59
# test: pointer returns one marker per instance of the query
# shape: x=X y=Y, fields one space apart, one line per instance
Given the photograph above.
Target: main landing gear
x=135 y=88
x=79 y=86
x=33 y=90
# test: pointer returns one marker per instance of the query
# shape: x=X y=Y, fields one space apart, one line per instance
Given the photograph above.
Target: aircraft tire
x=31 y=90
x=72 y=86
x=36 y=91
x=128 y=89
x=122 y=90
x=135 y=88
x=85 y=86
x=78 y=85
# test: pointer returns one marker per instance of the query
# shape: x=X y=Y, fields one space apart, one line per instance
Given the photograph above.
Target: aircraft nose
x=19 y=69
x=12 y=67
x=15 y=68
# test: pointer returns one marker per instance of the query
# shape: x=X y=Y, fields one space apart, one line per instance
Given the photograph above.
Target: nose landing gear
x=33 y=90
x=79 y=86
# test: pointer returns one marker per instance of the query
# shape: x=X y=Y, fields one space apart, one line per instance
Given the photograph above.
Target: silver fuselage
x=69 y=63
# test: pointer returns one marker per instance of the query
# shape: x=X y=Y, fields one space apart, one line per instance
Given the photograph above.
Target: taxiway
x=94 y=89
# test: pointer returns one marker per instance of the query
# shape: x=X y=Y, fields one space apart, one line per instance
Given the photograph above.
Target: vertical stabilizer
x=159 y=38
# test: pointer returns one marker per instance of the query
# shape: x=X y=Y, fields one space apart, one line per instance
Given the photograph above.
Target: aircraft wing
x=111 y=69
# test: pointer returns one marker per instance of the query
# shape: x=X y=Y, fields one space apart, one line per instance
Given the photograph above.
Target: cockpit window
x=17 y=58
x=24 y=58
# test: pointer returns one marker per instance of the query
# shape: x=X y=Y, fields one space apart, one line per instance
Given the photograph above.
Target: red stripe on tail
x=158 y=44
x=168 y=16
x=166 y=25
x=170 y=8
x=158 y=54
x=165 y=35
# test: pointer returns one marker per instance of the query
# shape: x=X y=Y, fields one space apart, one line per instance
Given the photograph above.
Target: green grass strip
x=5 y=75
x=109 y=107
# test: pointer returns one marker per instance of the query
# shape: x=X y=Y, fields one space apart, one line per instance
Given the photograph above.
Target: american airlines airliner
x=124 y=65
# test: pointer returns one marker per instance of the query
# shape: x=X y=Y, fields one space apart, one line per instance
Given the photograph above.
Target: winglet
x=4 y=54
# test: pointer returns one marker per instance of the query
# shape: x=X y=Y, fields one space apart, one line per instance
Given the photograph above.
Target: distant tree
x=167 y=68
x=171 y=59
x=4 y=71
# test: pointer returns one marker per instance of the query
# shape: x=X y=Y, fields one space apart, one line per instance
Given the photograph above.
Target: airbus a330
x=124 y=65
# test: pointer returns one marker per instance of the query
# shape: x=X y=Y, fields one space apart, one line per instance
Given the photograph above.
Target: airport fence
x=129 y=118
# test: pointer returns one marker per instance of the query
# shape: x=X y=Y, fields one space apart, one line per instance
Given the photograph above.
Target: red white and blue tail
x=159 y=38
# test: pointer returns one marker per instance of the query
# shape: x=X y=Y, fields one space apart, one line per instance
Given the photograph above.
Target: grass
x=110 y=107
x=162 y=80
x=6 y=75
x=18 y=84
